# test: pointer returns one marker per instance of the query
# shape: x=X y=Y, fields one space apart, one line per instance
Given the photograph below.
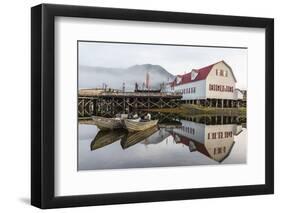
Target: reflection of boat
x=107 y=123
x=133 y=126
x=104 y=138
x=133 y=138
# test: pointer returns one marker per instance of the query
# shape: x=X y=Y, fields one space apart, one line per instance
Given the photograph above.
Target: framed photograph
x=139 y=106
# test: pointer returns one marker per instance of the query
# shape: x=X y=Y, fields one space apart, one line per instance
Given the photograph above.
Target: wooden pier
x=106 y=103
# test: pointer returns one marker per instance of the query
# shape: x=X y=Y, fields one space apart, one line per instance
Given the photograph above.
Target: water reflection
x=179 y=142
x=132 y=138
x=104 y=138
x=213 y=141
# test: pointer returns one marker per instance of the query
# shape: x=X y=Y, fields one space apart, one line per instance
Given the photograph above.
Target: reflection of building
x=213 y=85
x=157 y=137
x=214 y=141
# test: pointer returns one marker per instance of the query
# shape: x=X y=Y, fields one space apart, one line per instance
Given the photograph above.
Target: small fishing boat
x=134 y=126
x=107 y=123
x=110 y=123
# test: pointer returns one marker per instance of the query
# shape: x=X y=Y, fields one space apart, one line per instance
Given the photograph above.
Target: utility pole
x=147 y=80
x=123 y=87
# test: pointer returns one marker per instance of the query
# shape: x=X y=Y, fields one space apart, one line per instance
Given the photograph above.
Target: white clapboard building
x=213 y=85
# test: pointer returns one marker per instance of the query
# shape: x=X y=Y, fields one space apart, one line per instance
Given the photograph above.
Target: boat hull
x=107 y=123
x=134 y=126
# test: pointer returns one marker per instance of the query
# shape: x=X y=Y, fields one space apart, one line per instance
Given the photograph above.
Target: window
x=226 y=73
x=191 y=90
x=217 y=72
x=221 y=72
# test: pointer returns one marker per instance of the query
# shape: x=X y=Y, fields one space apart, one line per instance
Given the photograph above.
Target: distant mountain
x=92 y=77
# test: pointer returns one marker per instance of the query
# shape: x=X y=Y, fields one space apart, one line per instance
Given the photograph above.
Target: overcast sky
x=175 y=59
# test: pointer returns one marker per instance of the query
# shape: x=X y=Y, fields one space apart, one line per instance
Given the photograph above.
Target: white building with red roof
x=213 y=85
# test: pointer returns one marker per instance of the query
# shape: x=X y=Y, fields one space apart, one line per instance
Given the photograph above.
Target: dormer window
x=194 y=74
x=178 y=79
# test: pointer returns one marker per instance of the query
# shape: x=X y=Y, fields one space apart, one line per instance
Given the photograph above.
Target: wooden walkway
x=94 y=93
x=110 y=103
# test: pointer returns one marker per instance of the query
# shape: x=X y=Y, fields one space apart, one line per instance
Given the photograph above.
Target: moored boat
x=107 y=123
x=110 y=123
x=134 y=126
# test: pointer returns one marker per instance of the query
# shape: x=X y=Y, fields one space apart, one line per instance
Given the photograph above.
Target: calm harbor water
x=212 y=140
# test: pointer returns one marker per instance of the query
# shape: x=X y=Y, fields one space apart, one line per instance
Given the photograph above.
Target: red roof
x=202 y=74
x=199 y=146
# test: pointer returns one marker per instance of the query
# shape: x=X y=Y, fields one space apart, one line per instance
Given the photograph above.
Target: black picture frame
x=43 y=101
